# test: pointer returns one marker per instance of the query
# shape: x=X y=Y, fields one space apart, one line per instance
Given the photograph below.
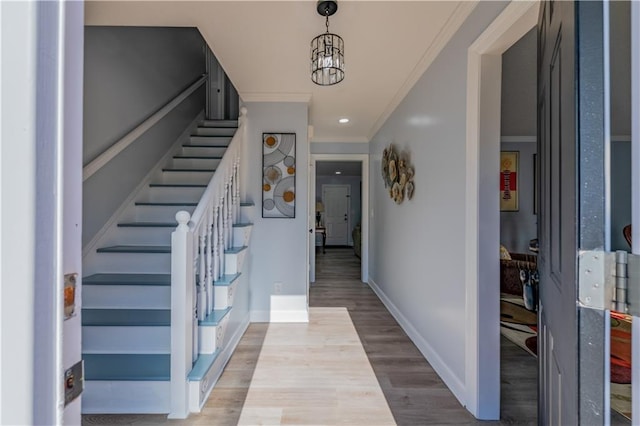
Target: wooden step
x=127 y=367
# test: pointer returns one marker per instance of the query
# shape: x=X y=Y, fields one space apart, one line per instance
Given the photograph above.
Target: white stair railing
x=198 y=247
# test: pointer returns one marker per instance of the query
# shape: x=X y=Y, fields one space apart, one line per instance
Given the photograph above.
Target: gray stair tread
x=128 y=279
x=126 y=317
x=148 y=224
x=135 y=249
x=177 y=203
x=202 y=366
x=215 y=317
x=247 y=204
x=242 y=225
x=190 y=170
x=226 y=280
x=234 y=250
x=127 y=367
x=177 y=185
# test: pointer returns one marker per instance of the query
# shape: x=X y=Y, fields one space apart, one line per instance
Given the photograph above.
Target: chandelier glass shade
x=327 y=52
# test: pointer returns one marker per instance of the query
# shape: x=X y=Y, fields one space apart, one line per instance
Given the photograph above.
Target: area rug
x=519 y=325
x=315 y=373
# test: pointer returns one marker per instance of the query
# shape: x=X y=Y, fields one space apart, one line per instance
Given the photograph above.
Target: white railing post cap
x=183 y=218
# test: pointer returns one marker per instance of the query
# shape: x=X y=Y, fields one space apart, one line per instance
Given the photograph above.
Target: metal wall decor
x=397 y=175
x=279 y=175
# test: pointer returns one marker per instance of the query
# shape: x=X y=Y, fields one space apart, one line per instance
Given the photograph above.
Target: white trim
x=225 y=355
x=482 y=372
x=144 y=182
x=439 y=365
x=133 y=135
x=364 y=158
x=518 y=139
x=289 y=308
x=276 y=97
x=463 y=10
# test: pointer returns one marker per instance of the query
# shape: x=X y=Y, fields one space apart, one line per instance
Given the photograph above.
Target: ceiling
x=346 y=168
x=264 y=48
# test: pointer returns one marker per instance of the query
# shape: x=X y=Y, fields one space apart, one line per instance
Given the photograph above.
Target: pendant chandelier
x=327 y=51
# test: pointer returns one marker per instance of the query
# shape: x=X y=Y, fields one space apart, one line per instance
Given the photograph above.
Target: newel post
x=182 y=284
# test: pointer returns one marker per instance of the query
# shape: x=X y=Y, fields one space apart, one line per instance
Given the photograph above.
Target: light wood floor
x=413 y=391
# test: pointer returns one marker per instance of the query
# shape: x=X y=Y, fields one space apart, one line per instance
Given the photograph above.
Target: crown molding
x=276 y=97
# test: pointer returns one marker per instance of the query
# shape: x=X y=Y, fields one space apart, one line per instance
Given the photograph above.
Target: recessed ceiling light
x=338 y=173
x=343 y=120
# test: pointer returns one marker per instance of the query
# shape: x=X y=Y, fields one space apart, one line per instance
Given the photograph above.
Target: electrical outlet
x=277 y=287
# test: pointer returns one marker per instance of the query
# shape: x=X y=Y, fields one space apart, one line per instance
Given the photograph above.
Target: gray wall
x=416 y=249
x=519 y=86
x=339 y=148
x=620 y=193
x=278 y=247
x=517 y=228
x=130 y=73
x=355 y=183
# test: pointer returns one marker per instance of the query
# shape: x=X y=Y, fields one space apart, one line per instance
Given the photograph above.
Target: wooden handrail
x=119 y=146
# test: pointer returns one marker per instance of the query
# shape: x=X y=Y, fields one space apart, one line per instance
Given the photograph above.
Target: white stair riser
x=210 y=337
x=215 y=131
x=214 y=151
x=139 y=235
x=198 y=390
x=159 y=213
x=223 y=295
x=233 y=262
x=113 y=397
x=126 y=296
x=172 y=194
x=142 y=263
x=195 y=163
x=247 y=214
x=201 y=178
x=241 y=235
x=130 y=339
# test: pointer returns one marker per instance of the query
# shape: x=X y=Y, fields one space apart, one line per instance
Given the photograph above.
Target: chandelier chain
x=327 y=23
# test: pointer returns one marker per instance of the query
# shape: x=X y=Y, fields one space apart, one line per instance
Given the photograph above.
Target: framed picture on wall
x=509 y=181
x=278 y=175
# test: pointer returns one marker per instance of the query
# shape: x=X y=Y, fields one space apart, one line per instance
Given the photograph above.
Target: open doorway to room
x=518 y=226
x=339 y=195
x=485 y=153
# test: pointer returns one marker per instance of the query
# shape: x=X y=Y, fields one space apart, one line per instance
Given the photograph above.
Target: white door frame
x=364 y=158
x=482 y=219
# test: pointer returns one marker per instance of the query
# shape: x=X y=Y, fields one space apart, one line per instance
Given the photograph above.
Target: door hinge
x=609 y=280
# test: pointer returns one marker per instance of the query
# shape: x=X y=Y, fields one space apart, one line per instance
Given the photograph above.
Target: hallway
x=414 y=392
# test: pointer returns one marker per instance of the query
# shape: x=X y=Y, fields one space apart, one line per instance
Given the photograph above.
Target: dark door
x=572 y=336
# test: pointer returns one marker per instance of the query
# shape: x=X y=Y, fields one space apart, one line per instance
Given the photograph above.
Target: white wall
x=131 y=72
x=17 y=209
x=418 y=247
x=41 y=177
x=278 y=246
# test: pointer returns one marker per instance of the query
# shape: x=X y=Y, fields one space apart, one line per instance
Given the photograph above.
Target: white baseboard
x=446 y=374
x=183 y=138
x=289 y=308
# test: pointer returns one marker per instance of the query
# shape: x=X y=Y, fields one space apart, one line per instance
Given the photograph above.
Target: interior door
x=573 y=331
x=336 y=199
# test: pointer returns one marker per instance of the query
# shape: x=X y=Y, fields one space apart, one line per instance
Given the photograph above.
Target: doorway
x=325 y=165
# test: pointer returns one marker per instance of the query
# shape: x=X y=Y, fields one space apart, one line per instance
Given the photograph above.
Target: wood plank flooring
x=413 y=391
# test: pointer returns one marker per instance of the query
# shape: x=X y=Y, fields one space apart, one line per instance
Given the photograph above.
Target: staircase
x=131 y=289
